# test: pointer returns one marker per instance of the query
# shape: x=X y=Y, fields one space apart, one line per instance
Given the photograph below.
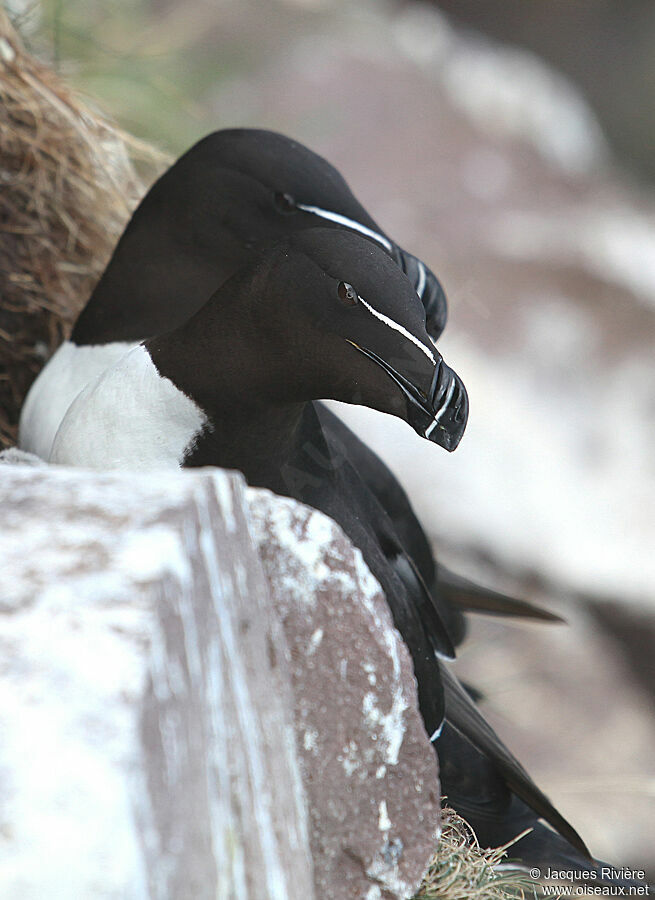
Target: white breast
x=68 y=371
x=129 y=417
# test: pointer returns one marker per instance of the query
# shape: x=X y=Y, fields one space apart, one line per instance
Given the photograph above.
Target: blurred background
x=510 y=145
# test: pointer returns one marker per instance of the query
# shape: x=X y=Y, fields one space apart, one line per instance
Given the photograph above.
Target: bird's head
x=326 y=314
x=240 y=188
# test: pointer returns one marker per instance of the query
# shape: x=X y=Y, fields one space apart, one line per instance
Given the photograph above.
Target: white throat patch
x=129 y=417
x=67 y=372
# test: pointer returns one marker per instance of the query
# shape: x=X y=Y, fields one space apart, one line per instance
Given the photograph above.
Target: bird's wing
x=383 y=484
x=472 y=597
x=463 y=715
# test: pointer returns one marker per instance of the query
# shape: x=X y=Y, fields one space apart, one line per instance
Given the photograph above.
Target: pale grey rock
x=369 y=772
x=161 y=637
x=147 y=746
x=15 y=457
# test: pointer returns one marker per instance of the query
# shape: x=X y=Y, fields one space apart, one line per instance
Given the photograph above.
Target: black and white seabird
x=324 y=314
x=201 y=221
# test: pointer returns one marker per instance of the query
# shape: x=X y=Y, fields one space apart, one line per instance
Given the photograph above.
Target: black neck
x=284 y=450
x=263 y=442
x=254 y=425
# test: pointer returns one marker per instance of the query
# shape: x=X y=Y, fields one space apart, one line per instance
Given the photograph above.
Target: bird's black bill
x=429 y=289
x=448 y=408
x=440 y=415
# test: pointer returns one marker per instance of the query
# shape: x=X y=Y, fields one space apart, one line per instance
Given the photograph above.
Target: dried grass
x=461 y=870
x=67 y=187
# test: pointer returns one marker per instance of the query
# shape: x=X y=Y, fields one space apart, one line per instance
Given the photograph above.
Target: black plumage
x=262 y=421
x=209 y=216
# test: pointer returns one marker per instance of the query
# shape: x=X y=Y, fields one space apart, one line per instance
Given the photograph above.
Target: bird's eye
x=347 y=293
x=284 y=203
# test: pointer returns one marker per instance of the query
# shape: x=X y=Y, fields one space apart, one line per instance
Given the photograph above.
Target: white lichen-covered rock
x=147 y=748
x=369 y=772
x=160 y=637
x=14 y=457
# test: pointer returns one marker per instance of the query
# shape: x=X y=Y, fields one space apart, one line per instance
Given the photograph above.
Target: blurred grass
x=149 y=64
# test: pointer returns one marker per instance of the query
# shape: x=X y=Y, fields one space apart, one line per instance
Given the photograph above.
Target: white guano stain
x=302 y=549
x=349 y=758
x=369 y=668
x=373 y=893
x=393 y=722
x=384 y=822
x=315 y=641
x=310 y=740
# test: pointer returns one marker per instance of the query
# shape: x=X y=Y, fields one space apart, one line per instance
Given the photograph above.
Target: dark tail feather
x=476 y=695
x=473 y=597
x=463 y=715
x=548 y=852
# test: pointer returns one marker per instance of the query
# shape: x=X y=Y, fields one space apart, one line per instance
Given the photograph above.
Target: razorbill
x=324 y=314
x=203 y=219
x=198 y=224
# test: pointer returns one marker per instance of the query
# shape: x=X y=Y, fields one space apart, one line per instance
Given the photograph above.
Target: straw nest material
x=67 y=187
x=461 y=870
